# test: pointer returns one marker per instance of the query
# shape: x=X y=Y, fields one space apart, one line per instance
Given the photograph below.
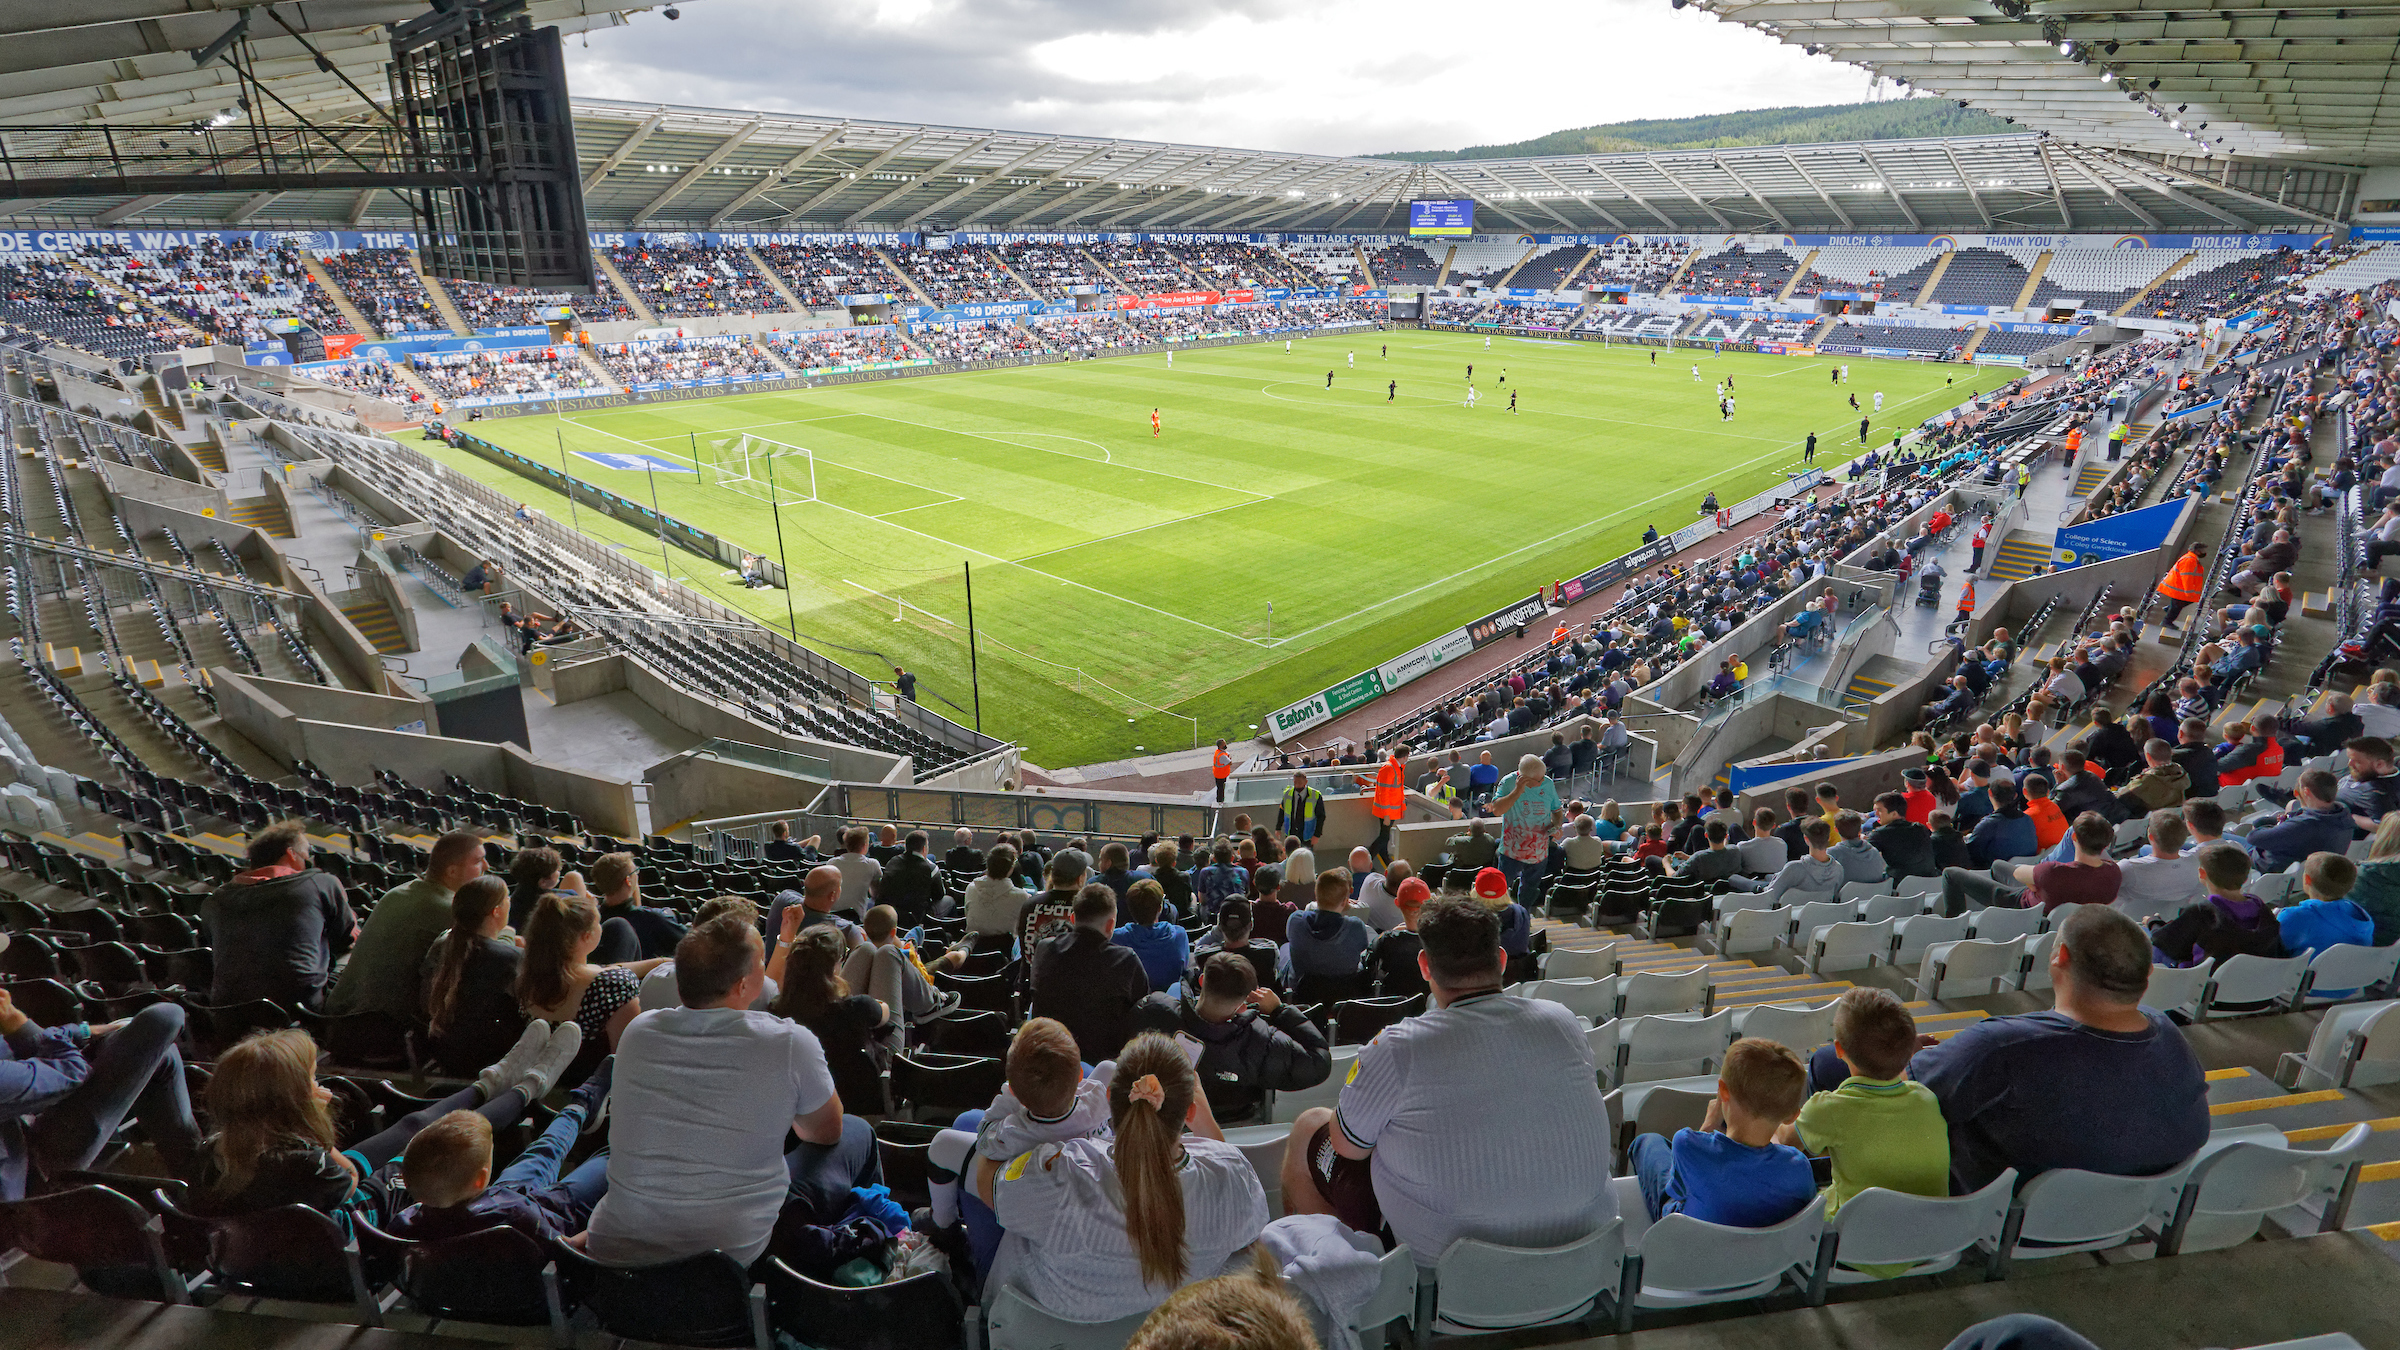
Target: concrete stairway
x=1798 y=275
x=342 y=303
x=262 y=513
x=2033 y=278
x=1933 y=278
x=2019 y=556
x=2160 y=280
x=774 y=280
x=442 y=303
x=376 y=621
x=616 y=278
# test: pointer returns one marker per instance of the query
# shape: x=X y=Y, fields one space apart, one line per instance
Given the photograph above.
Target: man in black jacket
x=2079 y=790
x=910 y=884
x=277 y=925
x=2339 y=726
x=2198 y=758
x=1251 y=1041
x=1086 y=982
x=2109 y=745
x=1906 y=846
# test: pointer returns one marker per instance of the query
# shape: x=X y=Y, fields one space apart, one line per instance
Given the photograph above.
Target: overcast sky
x=1335 y=77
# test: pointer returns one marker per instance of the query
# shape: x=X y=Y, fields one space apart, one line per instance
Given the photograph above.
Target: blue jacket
x=2313 y=925
x=43 y=1064
x=1165 y=950
x=2300 y=833
x=2002 y=834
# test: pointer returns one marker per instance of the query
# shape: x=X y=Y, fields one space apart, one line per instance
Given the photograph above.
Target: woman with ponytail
x=469 y=979
x=1100 y=1229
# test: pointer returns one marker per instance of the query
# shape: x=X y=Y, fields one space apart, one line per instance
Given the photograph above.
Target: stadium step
x=1982 y=331
x=1799 y=274
x=442 y=304
x=1941 y=264
x=350 y=312
x=2317 y=605
x=1366 y=271
x=380 y=626
x=2088 y=477
x=2020 y=556
x=775 y=280
x=2033 y=278
x=262 y=514
x=207 y=456
x=1863 y=689
x=1443 y=276
x=2155 y=282
x=631 y=297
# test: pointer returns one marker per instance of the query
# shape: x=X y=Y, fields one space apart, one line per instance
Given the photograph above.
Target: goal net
x=769 y=471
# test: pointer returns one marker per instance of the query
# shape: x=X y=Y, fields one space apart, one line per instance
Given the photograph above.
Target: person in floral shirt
x=1530 y=811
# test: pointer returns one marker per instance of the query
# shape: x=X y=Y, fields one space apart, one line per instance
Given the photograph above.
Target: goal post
x=766 y=470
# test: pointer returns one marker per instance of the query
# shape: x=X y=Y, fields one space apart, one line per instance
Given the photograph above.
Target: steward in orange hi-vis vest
x=1390 y=792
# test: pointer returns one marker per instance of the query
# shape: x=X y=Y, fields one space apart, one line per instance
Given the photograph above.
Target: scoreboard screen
x=1442 y=217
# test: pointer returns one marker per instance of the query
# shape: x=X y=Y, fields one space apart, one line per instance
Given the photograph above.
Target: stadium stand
x=1144 y=268
x=821 y=274
x=383 y=283
x=1485 y=258
x=2100 y=279
x=1548 y=317
x=536 y=370
x=225 y=289
x=2227 y=282
x=1894 y=271
x=1640 y=267
x=1998 y=343
x=376 y=379
x=961 y=275
x=71 y=307
x=1055 y=271
x=693 y=279
x=515 y=307
x=1982 y=276
x=1739 y=271
x=1246 y=264
x=820 y=349
x=1934 y=341
x=731 y=357
x=988 y=340
x=1549 y=269
x=1403 y=265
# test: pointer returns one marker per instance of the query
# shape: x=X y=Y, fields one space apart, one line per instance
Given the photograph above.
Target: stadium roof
x=2274 y=80
x=663 y=167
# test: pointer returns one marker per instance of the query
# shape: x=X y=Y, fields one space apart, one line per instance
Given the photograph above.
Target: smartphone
x=1192 y=1047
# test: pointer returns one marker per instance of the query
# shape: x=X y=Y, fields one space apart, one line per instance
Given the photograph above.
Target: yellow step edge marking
x=2269 y=1103
x=2319 y=1133
x=2389 y=1232
x=2221 y=1075
x=2382 y=1171
x=1754 y=998
x=1970 y=1015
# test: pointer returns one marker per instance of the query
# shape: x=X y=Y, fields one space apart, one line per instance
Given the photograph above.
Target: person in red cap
x=1516 y=923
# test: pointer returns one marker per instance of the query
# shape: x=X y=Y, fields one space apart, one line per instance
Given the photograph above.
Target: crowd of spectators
x=1147 y=269
x=806 y=350
x=1639 y=266
x=383 y=284
x=1055 y=271
x=225 y=289
x=693 y=279
x=686 y=358
x=1739 y=271
x=376 y=379
x=2223 y=289
x=485 y=306
x=1550 y=317
x=70 y=307
x=1233 y=265
x=962 y=274
x=524 y=370
x=988 y=340
x=821 y=274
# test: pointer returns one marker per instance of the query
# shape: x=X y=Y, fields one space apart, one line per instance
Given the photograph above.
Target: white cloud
x=1341 y=77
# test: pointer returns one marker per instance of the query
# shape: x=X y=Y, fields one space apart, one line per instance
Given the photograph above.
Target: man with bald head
x=820 y=891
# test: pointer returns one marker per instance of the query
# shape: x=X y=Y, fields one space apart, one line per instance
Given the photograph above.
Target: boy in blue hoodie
x=1731 y=1171
x=2325 y=918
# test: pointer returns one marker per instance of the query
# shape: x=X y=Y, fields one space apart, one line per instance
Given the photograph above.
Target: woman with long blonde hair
x=1105 y=1228
x=276 y=1141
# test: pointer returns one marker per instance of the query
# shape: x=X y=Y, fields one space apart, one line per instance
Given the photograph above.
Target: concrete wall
x=331 y=634
x=376 y=578
x=1896 y=711
x=705 y=717
x=126 y=482
x=600 y=802
x=693 y=786
x=358 y=489
x=580 y=680
x=1859 y=782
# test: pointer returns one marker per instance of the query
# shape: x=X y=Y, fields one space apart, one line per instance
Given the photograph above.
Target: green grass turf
x=1117 y=574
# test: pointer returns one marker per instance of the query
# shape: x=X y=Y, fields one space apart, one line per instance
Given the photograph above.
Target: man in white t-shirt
x=2166 y=880
x=702 y=1098
x=1481 y=1118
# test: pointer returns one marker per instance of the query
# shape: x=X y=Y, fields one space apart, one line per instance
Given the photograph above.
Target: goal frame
x=744 y=463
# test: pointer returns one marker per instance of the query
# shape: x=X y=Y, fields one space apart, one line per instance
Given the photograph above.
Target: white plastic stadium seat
x=1863 y=890
x=1847 y=943
x=2355 y=1044
x=1016 y=1322
x=2242 y=983
x=2348 y=966
x=2034 y=971
x=1671 y=1045
x=1597 y=963
x=1996 y=924
x=1480 y=1287
x=2070 y=1210
x=1927 y=1233
x=1590 y=999
x=1683 y=1262
x=1395 y=1296
x=1264 y=1146
x=1807 y=919
x=1751 y=930
x=1985 y=963
x=1649 y=992
x=1911 y=937
x=2174 y=988
x=2233 y=1189
x=1800 y=1026
x=1882 y=907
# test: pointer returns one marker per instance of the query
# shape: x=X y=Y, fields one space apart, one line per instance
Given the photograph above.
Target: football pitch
x=1277 y=535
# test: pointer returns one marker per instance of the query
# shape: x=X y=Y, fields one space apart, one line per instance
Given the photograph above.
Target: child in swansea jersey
x=1048 y=1099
